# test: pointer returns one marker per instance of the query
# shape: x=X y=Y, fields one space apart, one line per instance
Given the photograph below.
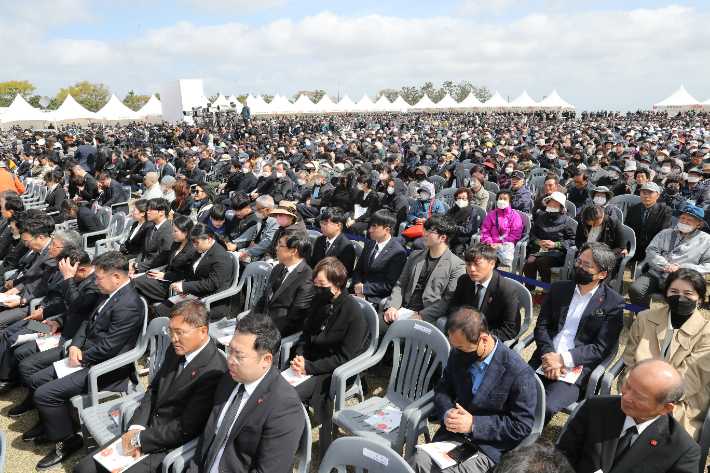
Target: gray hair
x=266 y=201
x=601 y=253
x=70 y=239
x=324 y=173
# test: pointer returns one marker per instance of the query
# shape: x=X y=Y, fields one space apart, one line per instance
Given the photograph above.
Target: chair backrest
x=3 y=449
x=468 y=165
x=481 y=213
x=115 y=227
x=410 y=202
x=447 y=196
x=571 y=208
x=373 y=323
x=425 y=348
x=535 y=183
x=256 y=277
x=380 y=196
x=537 y=172
x=526 y=223
x=159 y=341
x=314 y=235
x=358 y=248
x=93 y=206
x=438 y=182
x=615 y=212
x=623 y=202
x=674 y=221
x=526 y=304
x=494 y=186
x=363 y=454
x=105 y=216
x=127 y=193
x=229 y=214
x=305 y=445
x=631 y=238
x=491 y=200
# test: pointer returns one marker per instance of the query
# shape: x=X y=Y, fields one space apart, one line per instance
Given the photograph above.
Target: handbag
x=417 y=231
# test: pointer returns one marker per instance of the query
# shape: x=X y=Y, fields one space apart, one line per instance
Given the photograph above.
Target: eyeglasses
x=54 y=245
x=27 y=242
x=177 y=335
x=197 y=192
x=236 y=359
x=587 y=267
x=428 y=232
x=104 y=277
x=327 y=224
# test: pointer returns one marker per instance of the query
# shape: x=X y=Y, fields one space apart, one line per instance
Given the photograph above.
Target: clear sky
x=616 y=55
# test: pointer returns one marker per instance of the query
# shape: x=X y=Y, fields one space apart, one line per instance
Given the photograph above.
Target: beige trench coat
x=689 y=354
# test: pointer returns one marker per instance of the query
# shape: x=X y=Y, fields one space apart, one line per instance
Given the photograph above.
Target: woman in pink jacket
x=502 y=227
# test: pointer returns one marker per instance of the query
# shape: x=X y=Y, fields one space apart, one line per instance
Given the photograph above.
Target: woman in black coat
x=17 y=248
x=141 y=228
x=395 y=201
x=210 y=272
x=466 y=220
x=183 y=199
x=154 y=285
x=346 y=192
x=367 y=199
x=334 y=334
x=597 y=226
x=57 y=193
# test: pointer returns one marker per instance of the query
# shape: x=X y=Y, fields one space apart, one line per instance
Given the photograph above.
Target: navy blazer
x=598 y=329
x=379 y=279
x=503 y=408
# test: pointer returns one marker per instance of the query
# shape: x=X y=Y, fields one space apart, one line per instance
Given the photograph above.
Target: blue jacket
x=503 y=408
x=246 y=113
x=421 y=209
x=699 y=193
x=522 y=200
x=379 y=278
x=580 y=197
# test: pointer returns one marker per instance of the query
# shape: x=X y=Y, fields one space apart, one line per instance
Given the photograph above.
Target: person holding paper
x=159 y=238
x=429 y=278
x=634 y=431
x=320 y=196
x=333 y=242
x=257 y=419
x=177 y=404
x=486 y=395
x=578 y=325
x=366 y=203
x=113 y=328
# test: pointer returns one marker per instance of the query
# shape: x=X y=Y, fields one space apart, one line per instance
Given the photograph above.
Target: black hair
x=601 y=253
x=384 y=218
x=479 y=250
x=299 y=240
x=443 y=224
x=66 y=207
x=268 y=338
x=534 y=458
x=349 y=176
x=365 y=179
x=192 y=311
x=202 y=232
x=75 y=256
x=643 y=171
x=467 y=320
x=591 y=212
x=218 y=212
x=210 y=196
x=13 y=201
x=37 y=226
x=671 y=179
x=695 y=279
x=507 y=192
x=554 y=178
x=142 y=205
x=584 y=173
x=240 y=201
x=335 y=215
x=104 y=175
x=183 y=223
x=159 y=204
x=112 y=262
x=51 y=176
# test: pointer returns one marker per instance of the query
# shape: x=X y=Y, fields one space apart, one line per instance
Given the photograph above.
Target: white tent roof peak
x=20 y=111
x=471 y=102
x=554 y=102
x=522 y=102
x=221 y=100
x=152 y=107
x=116 y=110
x=325 y=105
x=365 y=104
x=345 y=105
x=304 y=104
x=495 y=102
x=400 y=104
x=679 y=100
x=424 y=103
x=447 y=102
x=383 y=104
x=71 y=110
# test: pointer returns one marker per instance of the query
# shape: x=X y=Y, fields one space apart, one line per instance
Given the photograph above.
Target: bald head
x=652 y=389
x=151 y=178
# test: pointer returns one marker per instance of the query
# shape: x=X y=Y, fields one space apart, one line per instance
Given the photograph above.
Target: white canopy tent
x=553 y=102
x=365 y=104
x=470 y=103
x=345 y=105
x=232 y=99
x=400 y=105
x=424 y=103
x=152 y=111
x=280 y=106
x=522 y=103
x=304 y=105
x=116 y=112
x=221 y=100
x=495 y=103
x=706 y=104
x=679 y=101
x=325 y=105
x=447 y=103
x=382 y=105
x=21 y=113
x=70 y=111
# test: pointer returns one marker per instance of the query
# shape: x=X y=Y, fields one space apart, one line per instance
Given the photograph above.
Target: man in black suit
x=248 y=181
x=333 y=242
x=257 y=418
x=165 y=168
x=578 y=325
x=280 y=188
x=161 y=236
x=289 y=291
x=647 y=218
x=111 y=193
x=381 y=262
x=178 y=402
x=244 y=218
x=320 y=197
x=90 y=191
x=635 y=431
x=112 y=329
x=85 y=154
x=487 y=291
x=191 y=173
x=79 y=292
x=10 y=204
x=103 y=155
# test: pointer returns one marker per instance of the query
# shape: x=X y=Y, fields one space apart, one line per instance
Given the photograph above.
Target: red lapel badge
x=114 y=299
x=193 y=373
x=259 y=402
x=600 y=299
x=653 y=442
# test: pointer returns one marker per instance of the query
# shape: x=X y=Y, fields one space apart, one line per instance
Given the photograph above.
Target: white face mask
x=614 y=175
x=462 y=203
x=390 y=190
x=279 y=175
x=508 y=170
x=502 y=204
x=552 y=209
x=660 y=157
x=684 y=228
x=675 y=171
x=693 y=179
x=665 y=170
x=424 y=196
x=301 y=182
x=599 y=200
x=359 y=187
x=475 y=185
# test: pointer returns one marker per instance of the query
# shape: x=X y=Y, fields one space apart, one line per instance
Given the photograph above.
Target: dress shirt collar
x=589 y=294
x=193 y=354
x=292 y=268
x=121 y=287
x=489 y=358
x=629 y=422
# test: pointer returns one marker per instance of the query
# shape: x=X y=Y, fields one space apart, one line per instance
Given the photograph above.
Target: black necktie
x=181 y=366
x=279 y=280
x=224 y=427
x=624 y=443
x=374 y=253
x=477 y=296
x=327 y=247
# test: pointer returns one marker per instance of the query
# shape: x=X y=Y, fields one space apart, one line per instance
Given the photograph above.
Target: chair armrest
x=618 y=281
x=85 y=236
x=286 y=345
x=127 y=409
x=350 y=369
x=209 y=300
x=610 y=376
x=524 y=343
x=110 y=365
x=34 y=303
x=413 y=420
x=186 y=451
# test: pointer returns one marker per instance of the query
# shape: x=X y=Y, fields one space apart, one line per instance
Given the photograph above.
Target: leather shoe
x=42 y=440
x=7 y=386
x=22 y=408
x=36 y=430
x=61 y=452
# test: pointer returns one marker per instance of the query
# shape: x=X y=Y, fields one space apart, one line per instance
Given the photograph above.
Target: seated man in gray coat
x=429 y=278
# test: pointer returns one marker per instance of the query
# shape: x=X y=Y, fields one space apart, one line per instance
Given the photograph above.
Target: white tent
x=279 y=105
x=152 y=111
x=424 y=103
x=71 y=111
x=21 y=113
x=221 y=100
x=400 y=104
x=345 y=105
x=470 y=103
x=115 y=111
x=447 y=103
x=706 y=104
x=495 y=103
x=232 y=99
x=304 y=105
x=523 y=103
x=382 y=105
x=254 y=105
x=325 y=105
x=553 y=102
x=679 y=101
x=365 y=104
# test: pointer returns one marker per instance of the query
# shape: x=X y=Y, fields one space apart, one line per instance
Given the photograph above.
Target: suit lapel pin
x=193 y=373
x=600 y=299
x=259 y=402
x=653 y=442
x=600 y=312
x=114 y=299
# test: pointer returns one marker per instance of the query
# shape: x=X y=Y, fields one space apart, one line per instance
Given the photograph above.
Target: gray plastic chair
x=623 y=202
x=535 y=183
x=571 y=209
x=614 y=212
x=526 y=305
x=107 y=220
x=491 y=201
x=363 y=454
x=233 y=288
x=106 y=244
x=565 y=270
x=425 y=349
x=535 y=173
x=126 y=198
x=447 y=196
x=494 y=187
x=438 y=182
x=3 y=449
x=97 y=420
x=519 y=256
x=617 y=283
x=256 y=277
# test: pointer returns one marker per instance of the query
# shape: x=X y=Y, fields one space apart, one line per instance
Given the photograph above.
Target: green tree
x=411 y=95
x=242 y=98
x=9 y=89
x=482 y=93
x=267 y=98
x=34 y=101
x=390 y=94
x=157 y=95
x=135 y=102
x=92 y=96
x=461 y=90
x=317 y=95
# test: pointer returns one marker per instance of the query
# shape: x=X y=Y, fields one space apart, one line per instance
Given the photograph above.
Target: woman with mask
x=423 y=208
x=597 y=226
x=183 y=201
x=334 y=333
x=479 y=195
x=345 y=192
x=420 y=175
x=466 y=220
x=502 y=227
x=601 y=197
x=671 y=196
x=395 y=201
x=679 y=334
x=366 y=203
x=551 y=236
x=504 y=177
x=286 y=217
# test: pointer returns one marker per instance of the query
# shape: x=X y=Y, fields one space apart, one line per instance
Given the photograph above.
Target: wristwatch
x=135 y=440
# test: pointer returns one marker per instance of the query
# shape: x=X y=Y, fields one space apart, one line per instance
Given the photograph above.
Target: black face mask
x=582 y=277
x=467 y=358
x=323 y=293
x=682 y=308
x=671 y=191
